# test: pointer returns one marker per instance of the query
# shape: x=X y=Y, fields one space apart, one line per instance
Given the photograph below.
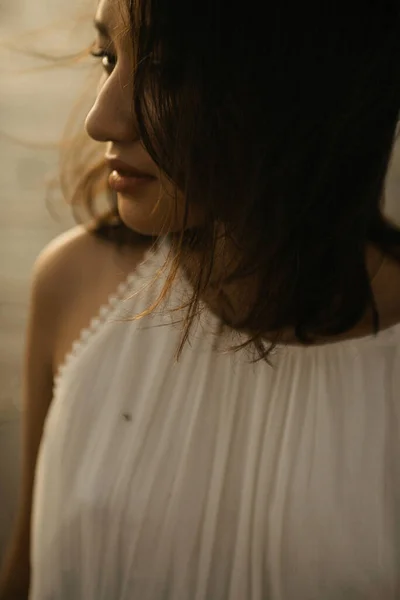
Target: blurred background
x=34 y=106
x=36 y=98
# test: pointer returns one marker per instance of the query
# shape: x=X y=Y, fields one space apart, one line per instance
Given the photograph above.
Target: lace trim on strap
x=107 y=310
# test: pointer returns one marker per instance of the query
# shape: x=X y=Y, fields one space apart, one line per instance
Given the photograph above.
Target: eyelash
x=111 y=58
x=105 y=56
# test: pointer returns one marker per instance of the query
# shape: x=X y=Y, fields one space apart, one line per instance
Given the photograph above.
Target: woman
x=247 y=157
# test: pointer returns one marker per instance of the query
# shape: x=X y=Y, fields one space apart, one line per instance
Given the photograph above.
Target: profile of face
x=147 y=201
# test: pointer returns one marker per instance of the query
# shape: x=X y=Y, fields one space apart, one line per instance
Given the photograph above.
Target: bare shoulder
x=67 y=256
x=50 y=289
x=74 y=276
x=52 y=276
x=77 y=257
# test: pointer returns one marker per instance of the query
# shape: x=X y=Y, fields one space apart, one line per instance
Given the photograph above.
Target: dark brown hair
x=281 y=124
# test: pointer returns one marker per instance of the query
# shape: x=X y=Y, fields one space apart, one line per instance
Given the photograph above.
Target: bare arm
x=37 y=395
x=66 y=270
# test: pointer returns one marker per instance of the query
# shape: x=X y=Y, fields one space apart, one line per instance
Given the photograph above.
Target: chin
x=140 y=216
x=146 y=218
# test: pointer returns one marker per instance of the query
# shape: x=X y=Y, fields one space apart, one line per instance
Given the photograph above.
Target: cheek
x=196 y=214
x=157 y=212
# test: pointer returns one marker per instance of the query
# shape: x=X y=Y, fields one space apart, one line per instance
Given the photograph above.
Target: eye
x=108 y=59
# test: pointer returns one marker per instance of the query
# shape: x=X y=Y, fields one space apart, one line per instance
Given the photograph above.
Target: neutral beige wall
x=33 y=107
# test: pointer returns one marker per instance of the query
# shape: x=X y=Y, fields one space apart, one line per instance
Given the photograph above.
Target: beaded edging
x=106 y=311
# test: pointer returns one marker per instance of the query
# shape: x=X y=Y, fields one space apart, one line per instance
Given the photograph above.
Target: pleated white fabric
x=213 y=478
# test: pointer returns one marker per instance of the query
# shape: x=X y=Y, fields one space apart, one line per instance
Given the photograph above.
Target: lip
x=128 y=184
x=125 y=178
x=126 y=170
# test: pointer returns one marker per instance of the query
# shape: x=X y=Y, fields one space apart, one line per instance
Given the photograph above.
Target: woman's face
x=146 y=204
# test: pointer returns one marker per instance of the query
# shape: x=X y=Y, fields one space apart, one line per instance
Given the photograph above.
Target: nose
x=111 y=117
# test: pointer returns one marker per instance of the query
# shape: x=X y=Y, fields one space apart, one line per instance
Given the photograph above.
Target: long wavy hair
x=280 y=121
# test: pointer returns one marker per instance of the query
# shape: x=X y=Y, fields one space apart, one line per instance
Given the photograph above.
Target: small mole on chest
x=127 y=417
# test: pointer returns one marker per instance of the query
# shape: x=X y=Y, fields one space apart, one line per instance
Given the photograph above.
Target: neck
x=232 y=302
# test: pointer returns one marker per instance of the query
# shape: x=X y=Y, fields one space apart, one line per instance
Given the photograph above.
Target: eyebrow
x=101 y=28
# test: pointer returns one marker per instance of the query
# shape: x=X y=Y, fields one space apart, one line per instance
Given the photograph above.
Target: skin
x=67 y=291
x=153 y=209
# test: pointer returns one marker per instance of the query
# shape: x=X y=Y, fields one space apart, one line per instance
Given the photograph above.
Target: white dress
x=213 y=478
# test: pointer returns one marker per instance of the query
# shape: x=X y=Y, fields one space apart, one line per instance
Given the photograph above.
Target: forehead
x=114 y=15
